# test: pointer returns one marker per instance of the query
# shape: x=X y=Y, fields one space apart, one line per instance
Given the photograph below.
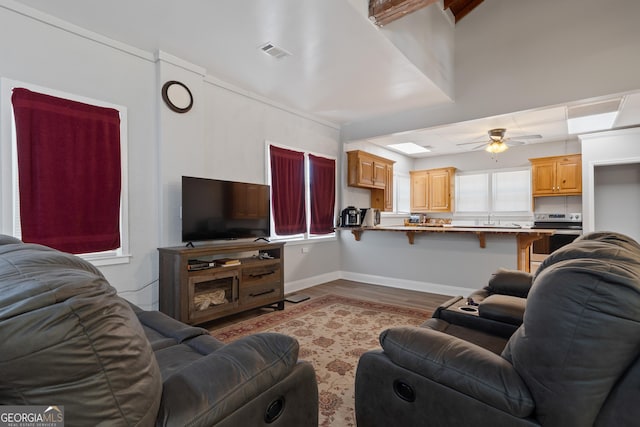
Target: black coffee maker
x=350 y=217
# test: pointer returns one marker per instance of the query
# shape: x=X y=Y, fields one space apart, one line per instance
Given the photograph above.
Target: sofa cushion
x=91 y=355
x=581 y=329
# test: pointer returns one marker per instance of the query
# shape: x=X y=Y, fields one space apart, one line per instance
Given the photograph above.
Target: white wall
x=616 y=194
x=445 y=263
x=608 y=150
x=47 y=56
x=515 y=55
x=222 y=136
x=225 y=138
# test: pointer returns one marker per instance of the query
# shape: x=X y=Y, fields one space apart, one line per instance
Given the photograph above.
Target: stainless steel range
x=568 y=227
x=559 y=221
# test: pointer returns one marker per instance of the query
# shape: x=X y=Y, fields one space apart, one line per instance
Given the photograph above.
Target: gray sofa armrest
x=460 y=365
x=216 y=385
x=511 y=282
x=503 y=308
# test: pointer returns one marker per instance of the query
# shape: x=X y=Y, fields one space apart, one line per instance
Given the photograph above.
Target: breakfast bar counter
x=524 y=236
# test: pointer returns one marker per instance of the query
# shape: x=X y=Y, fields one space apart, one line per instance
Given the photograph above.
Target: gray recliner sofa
x=575 y=360
x=498 y=307
x=67 y=339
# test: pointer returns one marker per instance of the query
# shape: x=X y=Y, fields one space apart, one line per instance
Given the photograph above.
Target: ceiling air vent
x=272 y=50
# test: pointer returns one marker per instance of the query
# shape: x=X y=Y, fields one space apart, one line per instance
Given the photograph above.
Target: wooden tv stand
x=196 y=296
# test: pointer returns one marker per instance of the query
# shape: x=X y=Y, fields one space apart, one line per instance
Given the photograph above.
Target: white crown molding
x=74 y=29
x=178 y=62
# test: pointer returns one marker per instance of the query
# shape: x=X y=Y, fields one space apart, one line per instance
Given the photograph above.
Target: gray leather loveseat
x=575 y=361
x=67 y=339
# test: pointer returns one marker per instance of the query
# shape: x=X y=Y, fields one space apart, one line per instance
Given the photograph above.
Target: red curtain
x=68 y=171
x=323 y=194
x=287 y=189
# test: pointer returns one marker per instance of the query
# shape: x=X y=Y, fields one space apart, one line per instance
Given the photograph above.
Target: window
x=506 y=192
x=512 y=191
x=303 y=193
x=81 y=141
x=472 y=193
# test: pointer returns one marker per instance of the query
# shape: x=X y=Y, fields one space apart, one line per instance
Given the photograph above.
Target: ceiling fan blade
x=532 y=136
x=516 y=142
x=470 y=143
x=479 y=146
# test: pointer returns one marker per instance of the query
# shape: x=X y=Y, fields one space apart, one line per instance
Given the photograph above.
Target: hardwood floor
x=348 y=288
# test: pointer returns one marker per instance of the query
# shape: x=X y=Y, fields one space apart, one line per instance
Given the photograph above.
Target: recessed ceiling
x=550 y=123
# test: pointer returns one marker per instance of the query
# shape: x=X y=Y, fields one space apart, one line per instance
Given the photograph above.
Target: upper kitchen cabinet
x=367 y=170
x=557 y=175
x=432 y=190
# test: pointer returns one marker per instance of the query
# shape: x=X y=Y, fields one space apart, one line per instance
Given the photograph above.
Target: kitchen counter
x=524 y=236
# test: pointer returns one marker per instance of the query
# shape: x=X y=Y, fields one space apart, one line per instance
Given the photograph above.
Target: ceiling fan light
x=496 y=147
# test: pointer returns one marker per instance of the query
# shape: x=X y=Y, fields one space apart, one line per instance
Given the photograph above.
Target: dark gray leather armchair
x=67 y=339
x=575 y=361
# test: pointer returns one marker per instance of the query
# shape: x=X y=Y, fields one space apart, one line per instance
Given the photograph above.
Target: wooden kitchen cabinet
x=383 y=198
x=365 y=170
x=432 y=190
x=556 y=176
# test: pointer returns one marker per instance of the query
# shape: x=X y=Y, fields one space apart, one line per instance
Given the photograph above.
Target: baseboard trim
x=298 y=285
x=434 y=288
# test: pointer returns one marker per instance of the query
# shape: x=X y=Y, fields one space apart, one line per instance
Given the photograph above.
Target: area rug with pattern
x=333 y=331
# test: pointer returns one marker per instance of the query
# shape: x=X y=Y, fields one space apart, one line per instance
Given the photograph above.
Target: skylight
x=592 y=117
x=592 y=123
x=409 y=148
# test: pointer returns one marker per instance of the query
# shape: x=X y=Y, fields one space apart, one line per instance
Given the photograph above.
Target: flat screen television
x=214 y=209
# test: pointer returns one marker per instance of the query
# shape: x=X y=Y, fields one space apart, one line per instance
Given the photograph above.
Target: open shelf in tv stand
x=256 y=282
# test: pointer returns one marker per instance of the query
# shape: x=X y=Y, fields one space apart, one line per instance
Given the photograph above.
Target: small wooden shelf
x=257 y=281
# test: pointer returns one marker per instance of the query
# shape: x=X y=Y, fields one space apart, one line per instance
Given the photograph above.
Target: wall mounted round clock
x=177 y=96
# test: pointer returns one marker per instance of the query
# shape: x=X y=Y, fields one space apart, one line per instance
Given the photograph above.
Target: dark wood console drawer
x=261 y=294
x=261 y=274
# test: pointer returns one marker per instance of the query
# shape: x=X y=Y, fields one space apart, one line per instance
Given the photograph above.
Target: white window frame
x=306 y=236
x=490 y=202
x=9 y=213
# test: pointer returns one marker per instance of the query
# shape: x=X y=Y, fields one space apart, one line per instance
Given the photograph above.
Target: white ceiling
x=342 y=68
x=337 y=54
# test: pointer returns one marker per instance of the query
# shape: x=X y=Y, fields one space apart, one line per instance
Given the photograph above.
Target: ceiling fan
x=498 y=143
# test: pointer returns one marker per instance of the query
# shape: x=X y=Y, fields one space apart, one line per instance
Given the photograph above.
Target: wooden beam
x=461 y=8
x=466 y=9
x=382 y=12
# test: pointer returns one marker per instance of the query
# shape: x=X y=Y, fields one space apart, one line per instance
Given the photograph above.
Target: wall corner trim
x=178 y=62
